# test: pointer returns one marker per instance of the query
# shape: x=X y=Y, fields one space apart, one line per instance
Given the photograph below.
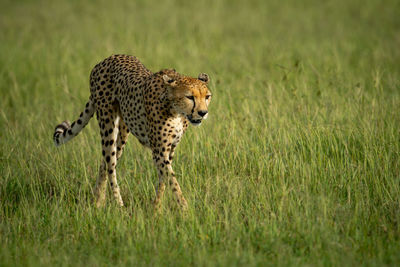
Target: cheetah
x=155 y=107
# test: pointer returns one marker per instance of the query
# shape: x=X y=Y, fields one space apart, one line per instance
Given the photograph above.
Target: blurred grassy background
x=298 y=163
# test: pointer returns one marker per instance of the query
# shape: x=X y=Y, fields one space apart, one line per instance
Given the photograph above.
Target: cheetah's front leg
x=176 y=189
x=166 y=175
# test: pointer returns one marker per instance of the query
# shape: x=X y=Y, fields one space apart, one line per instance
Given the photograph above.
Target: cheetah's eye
x=190 y=97
x=207 y=97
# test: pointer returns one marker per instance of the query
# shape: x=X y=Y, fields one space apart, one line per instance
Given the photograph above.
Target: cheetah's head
x=189 y=96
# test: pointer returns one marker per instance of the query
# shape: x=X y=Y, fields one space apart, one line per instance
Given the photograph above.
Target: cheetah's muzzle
x=193 y=121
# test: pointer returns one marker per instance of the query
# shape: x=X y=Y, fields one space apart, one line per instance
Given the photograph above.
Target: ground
x=297 y=163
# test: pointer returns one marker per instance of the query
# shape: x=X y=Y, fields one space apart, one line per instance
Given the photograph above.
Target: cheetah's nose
x=202 y=112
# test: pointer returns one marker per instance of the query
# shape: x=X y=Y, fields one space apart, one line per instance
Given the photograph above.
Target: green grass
x=298 y=163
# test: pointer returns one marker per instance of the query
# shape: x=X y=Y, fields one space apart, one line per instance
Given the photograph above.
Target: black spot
x=79 y=121
x=108 y=158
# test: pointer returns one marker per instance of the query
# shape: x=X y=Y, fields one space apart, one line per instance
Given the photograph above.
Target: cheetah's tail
x=65 y=132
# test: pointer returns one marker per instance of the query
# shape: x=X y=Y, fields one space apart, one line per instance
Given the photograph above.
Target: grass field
x=298 y=163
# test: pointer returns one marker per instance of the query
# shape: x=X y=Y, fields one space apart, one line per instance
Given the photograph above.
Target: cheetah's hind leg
x=109 y=130
x=100 y=189
x=101 y=183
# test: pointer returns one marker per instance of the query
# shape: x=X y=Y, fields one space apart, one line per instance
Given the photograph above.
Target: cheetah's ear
x=204 y=77
x=169 y=81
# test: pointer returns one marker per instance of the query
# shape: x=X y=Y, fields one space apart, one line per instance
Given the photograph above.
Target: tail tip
x=60 y=129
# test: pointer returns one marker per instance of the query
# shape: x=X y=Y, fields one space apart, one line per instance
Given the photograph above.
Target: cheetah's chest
x=177 y=129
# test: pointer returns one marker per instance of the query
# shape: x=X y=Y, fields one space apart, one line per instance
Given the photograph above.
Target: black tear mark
x=194 y=105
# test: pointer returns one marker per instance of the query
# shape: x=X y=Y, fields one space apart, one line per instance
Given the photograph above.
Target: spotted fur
x=155 y=107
